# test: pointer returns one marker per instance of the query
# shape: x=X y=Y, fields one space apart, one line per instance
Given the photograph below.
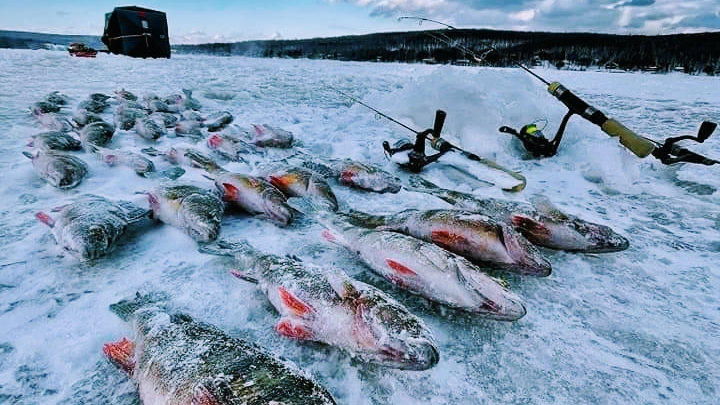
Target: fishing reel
x=411 y=155
x=669 y=153
x=534 y=140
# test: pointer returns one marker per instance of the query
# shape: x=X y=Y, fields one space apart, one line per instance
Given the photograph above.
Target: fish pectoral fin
x=295 y=305
x=203 y=396
x=230 y=192
x=244 y=276
x=45 y=219
x=530 y=225
x=121 y=354
x=361 y=329
x=293 y=328
x=446 y=238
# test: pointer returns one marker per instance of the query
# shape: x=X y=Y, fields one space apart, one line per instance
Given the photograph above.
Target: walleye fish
x=295 y=181
x=125 y=118
x=474 y=236
x=228 y=147
x=265 y=136
x=196 y=211
x=90 y=227
x=187 y=101
x=324 y=304
x=176 y=360
x=95 y=105
x=54 y=121
x=185 y=156
x=58 y=98
x=355 y=174
x=84 y=117
x=123 y=94
x=165 y=119
x=419 y=267
x=188 y=128
x=55 y=141
x=148 y=129
x=217 y=121
x=44 y=107
x=253 y=195
x=139 y=163
x=541 y=223
x=60 y=170
x=96 y=134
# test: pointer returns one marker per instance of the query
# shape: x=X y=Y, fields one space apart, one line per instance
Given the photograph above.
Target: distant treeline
x=690 y=53
x=36 y=40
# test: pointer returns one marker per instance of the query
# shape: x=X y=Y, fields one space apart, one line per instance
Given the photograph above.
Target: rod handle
x=638 y=145
x=439 y=122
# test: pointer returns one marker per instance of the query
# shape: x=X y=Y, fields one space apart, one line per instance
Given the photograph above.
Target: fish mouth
x=415 y=356
x=511 y=310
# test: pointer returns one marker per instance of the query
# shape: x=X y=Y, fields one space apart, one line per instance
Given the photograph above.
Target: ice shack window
x=144 y=24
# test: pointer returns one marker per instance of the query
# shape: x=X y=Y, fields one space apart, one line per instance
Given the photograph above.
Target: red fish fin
x=400 y=269
x=214 y=141
x=294 y=304
x=202 y=396
x=445 y=238
x=529 y=225
x=231 y=192
x=327 y=234
x=45 y=219
x=110 y=159
x=259 y=129
x=121 y=354
x=291 y=328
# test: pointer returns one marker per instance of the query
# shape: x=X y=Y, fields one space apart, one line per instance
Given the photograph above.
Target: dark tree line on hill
x=691 y=53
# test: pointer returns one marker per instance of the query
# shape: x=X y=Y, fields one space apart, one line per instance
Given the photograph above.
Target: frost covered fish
x=96 y=134
x=188 y=128
x=541 y=223
x=84 y=117
x=139 y=163
x=295 y=181
x=176 y=360
x=149 y=129
x=217 y=121
x=263 y=136
x=53 y=121
x=185 y=156
x=254 y=195
x=125 y=118
x=55 y=141
x=90 y=227
x=474 y=236
x=166 y=119
x=58 y=98
x=58 y=169
x=324 y=304
x=44 y=107
x=228 y=147
x=419 y=267
x=355 y=174
x=195 y=210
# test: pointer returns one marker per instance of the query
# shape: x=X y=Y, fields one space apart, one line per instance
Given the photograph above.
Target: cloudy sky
x=192 y=21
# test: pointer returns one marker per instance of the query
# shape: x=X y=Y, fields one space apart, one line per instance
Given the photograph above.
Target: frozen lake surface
x=640 y=326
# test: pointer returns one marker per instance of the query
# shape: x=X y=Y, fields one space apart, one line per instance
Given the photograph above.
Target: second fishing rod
x=667 y=151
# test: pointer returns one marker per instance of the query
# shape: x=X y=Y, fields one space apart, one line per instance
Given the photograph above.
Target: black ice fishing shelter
x=137 y=32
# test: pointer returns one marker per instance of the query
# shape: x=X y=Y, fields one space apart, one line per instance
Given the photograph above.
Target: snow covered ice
x=637 y=326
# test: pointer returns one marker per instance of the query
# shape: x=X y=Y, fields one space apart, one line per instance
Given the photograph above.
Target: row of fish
x=438 y=254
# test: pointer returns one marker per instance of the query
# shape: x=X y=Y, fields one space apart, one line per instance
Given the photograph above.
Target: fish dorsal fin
x=544 y=206
x=342 y=284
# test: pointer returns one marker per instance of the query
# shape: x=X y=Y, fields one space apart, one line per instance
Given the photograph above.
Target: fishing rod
x=667 y=152
x=415 y=151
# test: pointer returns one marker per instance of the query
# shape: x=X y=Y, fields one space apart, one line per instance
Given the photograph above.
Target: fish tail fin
x=127 y=307
x=314 y=207
x=419 y=184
